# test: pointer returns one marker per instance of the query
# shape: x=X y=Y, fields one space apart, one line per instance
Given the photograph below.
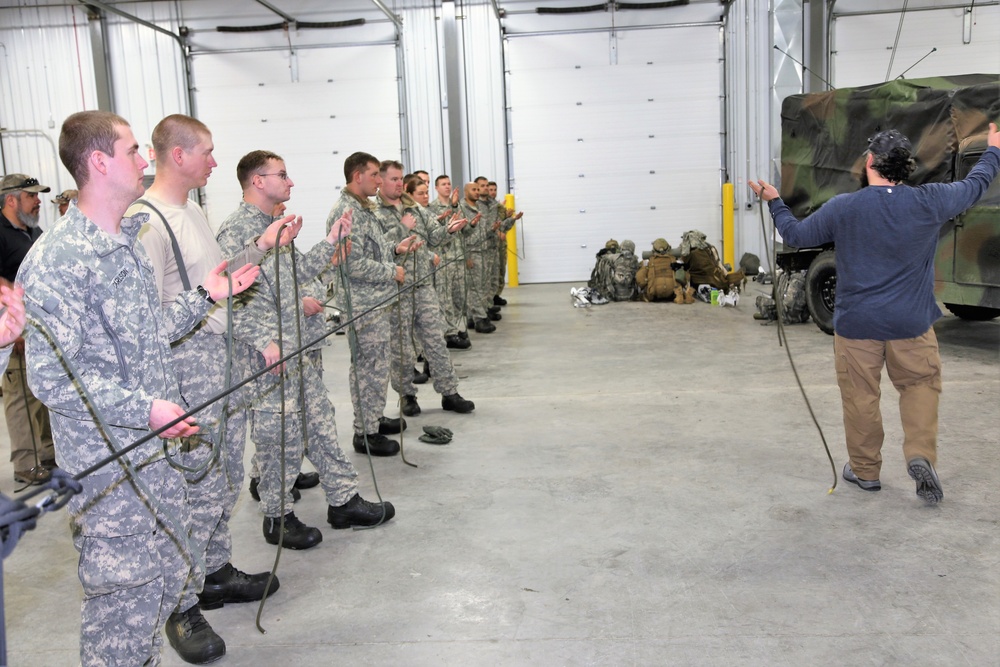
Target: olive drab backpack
x=656 y=277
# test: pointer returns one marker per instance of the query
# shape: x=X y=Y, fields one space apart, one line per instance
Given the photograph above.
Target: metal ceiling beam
x=388 y=12
x=277 y=11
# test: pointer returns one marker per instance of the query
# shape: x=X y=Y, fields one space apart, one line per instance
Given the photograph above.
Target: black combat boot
x=297 y=534
x=388 y=426
x=193 y=638
x=227 y=584
x=456 y=342
x=359 y=512
x=307 y=480
x=499 y=300
x=484 y=326
x=494 y=315
x=378 y=445
x=456 y=403
x=255 y=494
x=409 y=406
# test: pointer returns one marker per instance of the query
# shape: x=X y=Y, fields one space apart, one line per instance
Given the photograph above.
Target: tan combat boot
x=678 y=294
x=689 y=294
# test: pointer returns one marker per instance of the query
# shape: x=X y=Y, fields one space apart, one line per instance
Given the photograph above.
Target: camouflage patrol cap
x=65 y=197
x=661 y=245
x=886 y=141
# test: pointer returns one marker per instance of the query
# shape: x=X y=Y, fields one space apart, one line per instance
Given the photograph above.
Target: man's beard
x=29 y=221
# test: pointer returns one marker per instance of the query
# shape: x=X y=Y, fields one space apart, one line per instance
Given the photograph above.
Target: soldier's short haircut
x=421 y=171
x=178 y=130
x=252 y=163
x=386 y=165
x=83 y=133
x=441 y=178
x=413 y=183
x=493 y=183
x=479 y=178
x=357 y=162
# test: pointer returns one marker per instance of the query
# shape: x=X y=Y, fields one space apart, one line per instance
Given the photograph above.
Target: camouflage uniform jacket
x=452 y=246
x=256 y=319
x=421 y=263
x=371 y=266
x=475 y=237
x=98 y=297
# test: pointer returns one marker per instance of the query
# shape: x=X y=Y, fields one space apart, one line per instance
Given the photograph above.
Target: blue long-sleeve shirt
x=886 y=237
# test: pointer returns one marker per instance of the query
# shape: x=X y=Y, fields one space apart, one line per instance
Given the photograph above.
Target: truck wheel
x=821 y=289
x=975 y=313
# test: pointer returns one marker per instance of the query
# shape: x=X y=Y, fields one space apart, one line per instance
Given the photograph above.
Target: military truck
x=824 y=136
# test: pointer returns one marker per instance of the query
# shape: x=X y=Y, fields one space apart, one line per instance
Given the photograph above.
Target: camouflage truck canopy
x=824 y=135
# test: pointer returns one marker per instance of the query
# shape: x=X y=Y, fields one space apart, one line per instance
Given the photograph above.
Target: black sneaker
x=297 y=535
x=499 y=301
x=389 y=426
x=378 y=445
x=484 y=326
x=456 y=403
x=227 y=584
x=193 y=638
x=409 y=406
x=867 y=485
x=296 y=495
x=928 y=484
x=359 y=512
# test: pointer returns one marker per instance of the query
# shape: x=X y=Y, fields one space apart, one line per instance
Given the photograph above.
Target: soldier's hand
x=408 y=221
x=763 y=189
x=311 y=306
x=163 y=412
x=400 y=275
x=456 y=224
x=340 y=255
x=454 y=197
x=475 y=220
x=12 y=320
x=496 y=225
x=340 y=228
x=518 y=215
x=283 y=231
x=993 y=136
x=469 y=263
x=409 y=244
x=217 y=284
x=437 y=259
x=444 y=214
x=271 y=354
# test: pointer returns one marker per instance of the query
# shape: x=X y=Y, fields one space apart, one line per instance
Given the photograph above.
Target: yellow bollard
x=508 y=202
x=728 y=231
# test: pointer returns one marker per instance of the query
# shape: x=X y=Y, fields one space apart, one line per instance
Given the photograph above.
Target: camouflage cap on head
x=65 y=197
x=886 y=141
x=628 y=246
x=21 y=183
x=612 y=245
x=661 y=245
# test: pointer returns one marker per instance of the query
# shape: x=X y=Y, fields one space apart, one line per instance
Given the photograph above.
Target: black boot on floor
x=296 y=494
x=389 y=426
x=359 y=512
x=307 y=480
x=456 y=342
x=409 y=406
x=499 y=301
x=378 y=445
x=464 y=335
x=494 y=314
x=484 y=326
x=227 y=584
x=456 y=403
x=297 y=534
x=193 y=638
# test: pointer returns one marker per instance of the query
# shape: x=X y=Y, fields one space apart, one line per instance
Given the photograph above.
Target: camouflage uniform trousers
x=200 y=366
x=492 y=258
x=132 y=581
x=450 y=285
x=418 y=319
x=502 y=266
x=369 y=376
x=336 y=472
x=479 y=286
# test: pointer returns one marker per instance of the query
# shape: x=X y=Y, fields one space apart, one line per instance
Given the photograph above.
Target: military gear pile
x=613 y=276
x=655 y=278
x=792 y=288
x=436 y=435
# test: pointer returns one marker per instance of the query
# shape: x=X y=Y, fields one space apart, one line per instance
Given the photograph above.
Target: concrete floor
x=640 y=484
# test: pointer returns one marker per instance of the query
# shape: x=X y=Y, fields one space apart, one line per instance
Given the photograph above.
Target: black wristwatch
x=204 y=293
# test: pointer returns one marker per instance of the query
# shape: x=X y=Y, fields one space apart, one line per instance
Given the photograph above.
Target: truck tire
x=974 y=313
x=821 y=289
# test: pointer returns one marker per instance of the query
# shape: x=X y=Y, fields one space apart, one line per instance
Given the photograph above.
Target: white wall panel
x=345 y=100
x=601 y=150
x=425 y=98
x=483 y=87
x=863 y=45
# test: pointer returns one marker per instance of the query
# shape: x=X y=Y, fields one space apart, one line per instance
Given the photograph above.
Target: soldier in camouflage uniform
x=417 y=313
x=507 y=219
x=450 y=279
x=184 y=146
x=476 y=271
x=90 y=284
x=290 y=409
x=369 y=279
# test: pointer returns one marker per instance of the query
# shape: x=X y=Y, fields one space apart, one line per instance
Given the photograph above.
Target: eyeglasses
x=283 y=175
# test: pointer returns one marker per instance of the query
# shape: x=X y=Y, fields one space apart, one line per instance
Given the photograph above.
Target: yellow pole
x=508 y=202
x=728 y=232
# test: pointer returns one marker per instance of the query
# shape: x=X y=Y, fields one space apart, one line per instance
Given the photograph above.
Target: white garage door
x=613 y=138
x=345 y=100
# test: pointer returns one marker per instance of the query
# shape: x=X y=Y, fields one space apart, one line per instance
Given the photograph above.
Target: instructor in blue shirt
x=886 y=235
